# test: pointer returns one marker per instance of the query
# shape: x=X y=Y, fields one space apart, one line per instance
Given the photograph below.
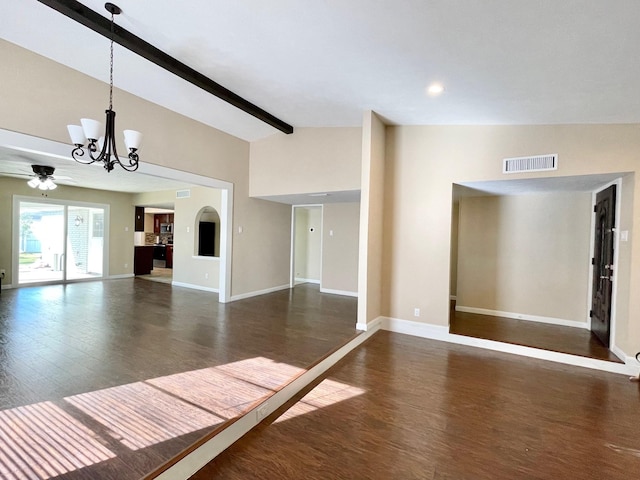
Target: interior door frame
x=292 y=259
x=616 y=251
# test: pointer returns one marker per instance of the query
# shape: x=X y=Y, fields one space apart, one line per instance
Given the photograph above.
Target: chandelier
x=90 y=129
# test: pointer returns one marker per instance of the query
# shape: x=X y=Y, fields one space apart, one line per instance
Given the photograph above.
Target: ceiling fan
x=42 y=177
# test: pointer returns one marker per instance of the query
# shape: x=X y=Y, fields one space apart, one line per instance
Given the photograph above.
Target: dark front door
x=603 y=264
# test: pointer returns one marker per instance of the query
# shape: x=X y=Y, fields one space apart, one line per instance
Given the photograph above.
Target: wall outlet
x=262 y=411
x=126 y=265
x=2 y=272
x=206 y=276
x=416 y=312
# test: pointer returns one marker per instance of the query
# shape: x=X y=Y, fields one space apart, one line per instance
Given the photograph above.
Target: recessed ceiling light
x=435 y=89
x=318 y=194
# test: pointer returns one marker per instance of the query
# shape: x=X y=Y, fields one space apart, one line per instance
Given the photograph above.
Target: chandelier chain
x=111 y=69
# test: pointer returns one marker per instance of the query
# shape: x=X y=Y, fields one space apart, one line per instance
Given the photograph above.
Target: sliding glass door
x=59 y=241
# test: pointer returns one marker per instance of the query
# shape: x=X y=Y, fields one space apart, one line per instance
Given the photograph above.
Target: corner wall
x=370 y=280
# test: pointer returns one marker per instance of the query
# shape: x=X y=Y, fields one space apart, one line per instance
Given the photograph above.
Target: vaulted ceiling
x=322 y=63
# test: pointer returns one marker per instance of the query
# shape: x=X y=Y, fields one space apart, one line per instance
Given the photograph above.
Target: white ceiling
x=323 y=63
x=315 y=64
x=526 y=186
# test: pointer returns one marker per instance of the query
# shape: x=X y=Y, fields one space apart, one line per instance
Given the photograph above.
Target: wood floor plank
x=557 y=338
x=433 y=410
x=95 y=340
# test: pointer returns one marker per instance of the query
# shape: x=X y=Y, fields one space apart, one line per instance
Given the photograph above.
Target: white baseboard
x=439 y=332
x=523 y=316
x=195 y=460
x=339 y=292
x=370 y=326
x=307 y=280
x=8 y=286
x=123 y=275
x=417 y=329
x=453 y=297
x=242 y=296
x=617 y=351
x=195 y=287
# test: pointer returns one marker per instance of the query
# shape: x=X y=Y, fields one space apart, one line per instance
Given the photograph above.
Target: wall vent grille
x=183 y=193
x=536 y=163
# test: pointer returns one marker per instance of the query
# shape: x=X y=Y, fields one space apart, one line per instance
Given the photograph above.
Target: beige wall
x=314 y=159
x=121 y=221
x=42 y=108
x=370 y=273
x=341 y=224
x=424 y=162
x=526 y=254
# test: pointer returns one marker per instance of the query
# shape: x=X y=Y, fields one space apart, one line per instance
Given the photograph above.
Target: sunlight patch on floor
x=42 y=441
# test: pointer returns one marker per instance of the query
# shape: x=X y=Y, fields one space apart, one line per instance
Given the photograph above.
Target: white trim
x=439 y=332
x=7 y=286
x=417 y=329
x=298 y=281
x=256 y=293
x=453 y=297
x=339 y=292
x=65 y=203
x=115 y=277
x=194 y=461
x=195 y=287
x=523 y=316
x=617 y=351
x=373 y=325
x=616 y=249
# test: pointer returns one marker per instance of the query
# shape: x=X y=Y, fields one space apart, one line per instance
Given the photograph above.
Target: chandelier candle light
x=90 y=129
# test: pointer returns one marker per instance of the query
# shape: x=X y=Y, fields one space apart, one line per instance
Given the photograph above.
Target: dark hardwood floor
x=108 y=380
x=407 y=408
x=575 y=341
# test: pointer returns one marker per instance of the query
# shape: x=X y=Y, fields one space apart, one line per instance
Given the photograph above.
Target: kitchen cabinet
x=169 y=256
x=142 y=260
x=139 y=219
x=160 y=219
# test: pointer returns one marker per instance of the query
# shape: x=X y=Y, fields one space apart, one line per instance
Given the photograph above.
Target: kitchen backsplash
x=150 y=238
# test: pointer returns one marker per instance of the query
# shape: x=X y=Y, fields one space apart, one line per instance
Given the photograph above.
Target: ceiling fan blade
x=15 y=174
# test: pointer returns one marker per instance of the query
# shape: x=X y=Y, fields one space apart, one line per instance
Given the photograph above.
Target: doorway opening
x=524 y=264
x=306 y=244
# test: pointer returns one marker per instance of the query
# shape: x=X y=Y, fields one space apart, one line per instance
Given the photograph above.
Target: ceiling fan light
x=132 y=139
x=91 y=128
x=50 y=185
x=34 y=182
x=77 y=134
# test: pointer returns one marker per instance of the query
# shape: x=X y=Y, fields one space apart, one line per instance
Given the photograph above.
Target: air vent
x=183 y=193
x=537 y=163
